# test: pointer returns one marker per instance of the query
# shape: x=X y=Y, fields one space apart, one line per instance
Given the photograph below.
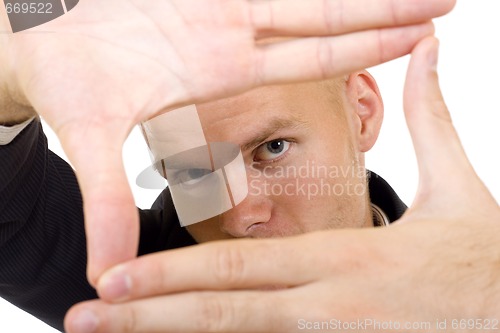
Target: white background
x=469 y=73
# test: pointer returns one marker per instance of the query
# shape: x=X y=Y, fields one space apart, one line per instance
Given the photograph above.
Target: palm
x=135 y=69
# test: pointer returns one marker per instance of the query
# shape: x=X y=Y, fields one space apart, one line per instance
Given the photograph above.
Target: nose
x=253 y=210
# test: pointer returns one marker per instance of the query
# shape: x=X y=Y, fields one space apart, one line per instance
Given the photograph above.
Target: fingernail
x=115 y=285
x=85 y=322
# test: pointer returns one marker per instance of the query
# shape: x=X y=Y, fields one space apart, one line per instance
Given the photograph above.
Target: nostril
x=253 y=226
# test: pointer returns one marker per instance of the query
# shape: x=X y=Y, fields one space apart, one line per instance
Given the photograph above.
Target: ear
x=367 y=106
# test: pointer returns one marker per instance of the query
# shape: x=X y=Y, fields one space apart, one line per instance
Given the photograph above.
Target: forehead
x=236 y=118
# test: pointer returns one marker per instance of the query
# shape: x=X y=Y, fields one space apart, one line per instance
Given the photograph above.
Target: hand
x=105 y=66
x=438 y=262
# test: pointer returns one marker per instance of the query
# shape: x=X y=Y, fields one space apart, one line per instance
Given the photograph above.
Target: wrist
x=12 y=108
x=12 y=111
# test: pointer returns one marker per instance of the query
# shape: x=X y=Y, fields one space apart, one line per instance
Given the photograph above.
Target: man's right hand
x=105 y=66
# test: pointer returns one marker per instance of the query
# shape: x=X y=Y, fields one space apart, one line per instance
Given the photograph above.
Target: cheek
x=320 y=191
x=312 y=206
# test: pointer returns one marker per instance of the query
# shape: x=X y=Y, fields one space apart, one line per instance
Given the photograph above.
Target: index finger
x=334 y=17
x=238 y=264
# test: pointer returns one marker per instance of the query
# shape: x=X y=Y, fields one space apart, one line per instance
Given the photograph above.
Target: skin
x=440 y=261
x=326 y=124
x=125 y=63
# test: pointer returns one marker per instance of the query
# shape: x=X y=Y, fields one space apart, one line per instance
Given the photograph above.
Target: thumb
x=447 y=180
x=111 y=218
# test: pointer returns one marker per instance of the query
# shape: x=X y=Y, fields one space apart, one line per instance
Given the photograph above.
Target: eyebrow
x=275 y=124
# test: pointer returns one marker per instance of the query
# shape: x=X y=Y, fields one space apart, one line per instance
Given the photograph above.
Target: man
x=113 y=253
x=303 y=147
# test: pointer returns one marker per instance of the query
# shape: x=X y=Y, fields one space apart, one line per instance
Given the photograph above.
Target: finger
x=321 y=58
x=284 y=310
x=221 y=265
x=334 y=17
x=231 y=265
x=238 y=311
x=111 y=218
x=443 y=165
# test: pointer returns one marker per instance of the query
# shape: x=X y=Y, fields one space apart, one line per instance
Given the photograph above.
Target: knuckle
x=216 y=314
x=229 y=267
x=331 y=8
x=380 y=55
x=393 y=12
x=159 y=279
x=325 y=59
x=130 y=320
x=353 y=256
x=260 y=68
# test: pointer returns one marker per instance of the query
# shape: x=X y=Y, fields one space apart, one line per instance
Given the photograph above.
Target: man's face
x=303 y=157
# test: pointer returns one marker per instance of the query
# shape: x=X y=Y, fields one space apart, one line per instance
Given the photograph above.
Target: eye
x=271 y=150
x=191 y=176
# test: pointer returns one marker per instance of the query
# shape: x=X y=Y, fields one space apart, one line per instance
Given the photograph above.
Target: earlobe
x=368 y=108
